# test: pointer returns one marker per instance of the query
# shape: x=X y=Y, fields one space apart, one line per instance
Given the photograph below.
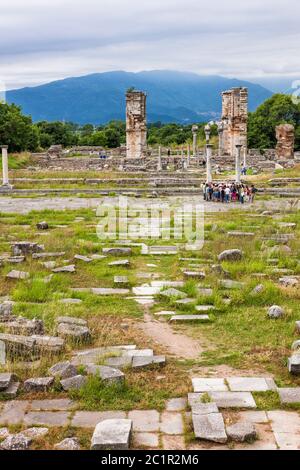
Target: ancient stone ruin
x=235 y=119
x=136 y=127
x=285 y=135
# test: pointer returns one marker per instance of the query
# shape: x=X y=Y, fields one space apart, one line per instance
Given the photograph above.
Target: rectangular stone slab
x=112 y=434
x=289 y=395
x=209 y=427
x=203 y=384
x=250 y=384
x=188 y=318
x=233 y=399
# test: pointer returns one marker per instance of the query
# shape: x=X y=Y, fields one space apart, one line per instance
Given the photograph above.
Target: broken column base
x=5 y=188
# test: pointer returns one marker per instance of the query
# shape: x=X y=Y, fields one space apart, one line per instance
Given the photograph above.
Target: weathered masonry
x=235 y=119
x=285 y=135
x=136 y=126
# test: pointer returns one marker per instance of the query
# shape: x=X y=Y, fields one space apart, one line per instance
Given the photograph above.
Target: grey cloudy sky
x=44 y=40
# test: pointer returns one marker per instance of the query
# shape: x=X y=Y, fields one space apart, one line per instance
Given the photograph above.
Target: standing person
x=169 y=152
x=227 y=194
x=210 y=191
x=253 y=191
x=204 y=191
x=222 y=193
x=242 y=194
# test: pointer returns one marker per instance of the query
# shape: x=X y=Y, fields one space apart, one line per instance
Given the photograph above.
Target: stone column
x=2 y=353
x=208 y=163
x=238 y=163
x=5 y=181
x=245 y=157
x=159 y=165
x=188 y=155
x=195 y=135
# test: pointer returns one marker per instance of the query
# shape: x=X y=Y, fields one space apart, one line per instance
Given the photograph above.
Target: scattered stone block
x=229 y=284
x=240 y=234
x=107 y=374
x=18 y=275
x=11 y=392
x=16 y=442
x=68 y=444
x=186 y=301
x=146 y=290
x=48 y=255
x=65 y=269
x=85 y=259
x=22 y=326
x=164 y=313
x=63 y=370
x=80 y=334
x=17 y=345
x=173 y=293
x=205 y=308
x=42 y=226
x=117 y=251
x=144 y=361
x=209 y=427
x=6 y=310
x=275 y=312
x=209 y=384
x=35 y=433
x=295 y=347
x=297 y=326
x=258 y=289
x=289 y=281
x=121 y=280
x=5 y=380
x=73 y=383
x=145 y=439
x=289 y=395
x=26 y=248
x=190 y=318
x=250 y=384
x=194 y=274
x=242 y=432
x=48 y=344
x=231 y=255
x=233 y=399
x=109 y=291
x=4 y=433
x=112 y=434
x=123 y=262
x=71 y=301
x=294 y=364
x=41 y=384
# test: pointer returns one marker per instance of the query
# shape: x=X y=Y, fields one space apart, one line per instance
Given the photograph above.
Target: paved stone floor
x=25 y=205
x=152 y=429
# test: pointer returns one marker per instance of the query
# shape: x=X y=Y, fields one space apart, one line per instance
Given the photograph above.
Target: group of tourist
x=222 y=192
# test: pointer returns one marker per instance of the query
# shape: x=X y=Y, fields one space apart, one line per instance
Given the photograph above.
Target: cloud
x=42 y=42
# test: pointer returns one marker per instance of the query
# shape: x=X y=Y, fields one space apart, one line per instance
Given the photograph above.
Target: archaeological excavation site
x=119 y=328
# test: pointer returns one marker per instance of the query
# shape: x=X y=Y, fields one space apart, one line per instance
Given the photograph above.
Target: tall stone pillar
x=235 y=119
x=208 y=163
x=5 y=181
x=245 y=157
x=238 y=163
x=159 y=165
x=285 y=135
x=195 y=136
x=188 y=155
x=136 y=126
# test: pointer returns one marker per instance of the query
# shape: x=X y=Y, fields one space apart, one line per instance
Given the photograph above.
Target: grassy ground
x=240 y=334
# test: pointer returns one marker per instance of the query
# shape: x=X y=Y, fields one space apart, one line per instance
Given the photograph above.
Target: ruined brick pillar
x=235 y=119
x=136 y=126
x=285 y=135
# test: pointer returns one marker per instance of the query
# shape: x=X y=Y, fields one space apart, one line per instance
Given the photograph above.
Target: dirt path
x=176 y=344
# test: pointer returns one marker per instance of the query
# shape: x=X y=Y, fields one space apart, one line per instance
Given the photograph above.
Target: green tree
x=278 y=109
x=17 y=130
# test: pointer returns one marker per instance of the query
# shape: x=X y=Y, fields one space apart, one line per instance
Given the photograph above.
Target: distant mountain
x=98 y=98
